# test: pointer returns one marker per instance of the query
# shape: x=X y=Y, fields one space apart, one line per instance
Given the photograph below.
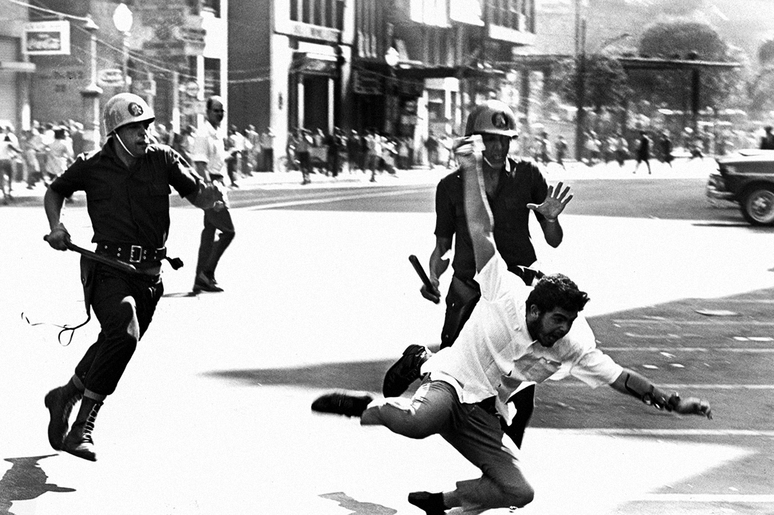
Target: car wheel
x=758 y=205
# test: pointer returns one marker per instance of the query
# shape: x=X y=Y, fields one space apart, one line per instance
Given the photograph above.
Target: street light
x=391 y=57
x=122 y=20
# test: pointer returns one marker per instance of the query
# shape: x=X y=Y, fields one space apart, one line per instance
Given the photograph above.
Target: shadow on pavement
x=357 y=507
x=24 y=481
x=359 y=375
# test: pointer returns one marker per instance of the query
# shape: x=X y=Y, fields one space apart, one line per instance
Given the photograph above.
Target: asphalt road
x=213 y=413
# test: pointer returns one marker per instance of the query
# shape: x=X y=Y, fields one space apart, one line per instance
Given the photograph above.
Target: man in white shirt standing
x=514 y=334
x=209 y=155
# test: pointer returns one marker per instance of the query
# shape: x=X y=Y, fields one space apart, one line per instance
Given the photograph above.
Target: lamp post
x=122 y=20
x=391 y=57
x=91 y=93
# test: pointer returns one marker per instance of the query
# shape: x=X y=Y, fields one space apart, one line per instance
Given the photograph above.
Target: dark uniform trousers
x=124 y=304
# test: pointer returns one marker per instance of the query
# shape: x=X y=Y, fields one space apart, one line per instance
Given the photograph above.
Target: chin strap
x=649 y=394
x=122 y=144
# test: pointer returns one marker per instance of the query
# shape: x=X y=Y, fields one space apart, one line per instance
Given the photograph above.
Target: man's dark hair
x=212 y=99
x=557 y=291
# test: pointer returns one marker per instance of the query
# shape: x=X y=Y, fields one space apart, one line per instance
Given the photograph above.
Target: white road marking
x=327 y=200
x=751 y=350
x=724 y=321
x=705 y=498
x=689 y=386
x=658 y=432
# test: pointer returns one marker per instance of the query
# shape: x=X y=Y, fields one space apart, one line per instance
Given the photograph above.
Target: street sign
x=110 y=78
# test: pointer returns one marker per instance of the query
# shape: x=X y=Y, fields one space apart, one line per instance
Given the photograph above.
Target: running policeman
x=127 y=184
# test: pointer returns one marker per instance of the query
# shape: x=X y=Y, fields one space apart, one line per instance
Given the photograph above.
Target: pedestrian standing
x=9 y=151
x=665 y=148
x=515 y=334
x=267 y=149
x=209 y=156
x=767 y=141
x=60 y=154
x=130 y=225
x=643 y=151
x=561 y=151
x=303 y=145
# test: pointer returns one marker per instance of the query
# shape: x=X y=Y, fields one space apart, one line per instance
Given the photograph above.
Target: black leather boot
x=60 y=402
x=78 y=441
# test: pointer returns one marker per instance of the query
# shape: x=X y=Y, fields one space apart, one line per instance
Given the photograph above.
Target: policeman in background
x=127 y=184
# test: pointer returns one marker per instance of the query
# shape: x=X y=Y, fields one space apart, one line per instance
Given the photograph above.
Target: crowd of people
x=642 y=145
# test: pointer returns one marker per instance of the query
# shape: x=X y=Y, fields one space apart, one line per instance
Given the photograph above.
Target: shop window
x=211 y=77
x=212 y=6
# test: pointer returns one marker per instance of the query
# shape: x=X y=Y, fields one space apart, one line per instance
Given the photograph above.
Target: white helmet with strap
x=126 y=108
x=492 y=117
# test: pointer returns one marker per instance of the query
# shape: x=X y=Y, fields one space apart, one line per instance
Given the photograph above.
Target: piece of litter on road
x=650 y=367
x=741 y=338
x=717 y=312
x=677 y=365
x=666 y=354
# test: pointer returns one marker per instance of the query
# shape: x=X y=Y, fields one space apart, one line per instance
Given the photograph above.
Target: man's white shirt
x=209 y=147
x=495 y=354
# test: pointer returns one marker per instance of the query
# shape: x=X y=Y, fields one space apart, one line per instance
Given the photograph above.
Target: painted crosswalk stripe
x=706 y=498
x=658 y=432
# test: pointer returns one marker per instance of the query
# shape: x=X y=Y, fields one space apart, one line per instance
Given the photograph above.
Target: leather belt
x=133 y=254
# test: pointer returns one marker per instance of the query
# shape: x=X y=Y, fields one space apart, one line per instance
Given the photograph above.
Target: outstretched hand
x=694 y=406
x=555 y=202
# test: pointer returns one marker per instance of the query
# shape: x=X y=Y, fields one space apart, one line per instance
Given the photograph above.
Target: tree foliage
x=681 y=39
x=604 y=80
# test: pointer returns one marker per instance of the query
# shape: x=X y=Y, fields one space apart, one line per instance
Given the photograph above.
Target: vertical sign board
x=46 y=38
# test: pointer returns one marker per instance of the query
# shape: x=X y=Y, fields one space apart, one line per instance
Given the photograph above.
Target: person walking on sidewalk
x=127 y=184
x=514 y=189
x=643 y=151
x=209 y=156
x=515 y=334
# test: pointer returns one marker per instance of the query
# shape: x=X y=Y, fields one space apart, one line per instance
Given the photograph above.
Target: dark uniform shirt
x=520 y=184
x=128 y=205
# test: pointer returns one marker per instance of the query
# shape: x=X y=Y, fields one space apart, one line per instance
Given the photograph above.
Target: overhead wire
x=261 y=74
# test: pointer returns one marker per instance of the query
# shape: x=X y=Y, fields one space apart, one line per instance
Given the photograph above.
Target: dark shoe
x=342 y=403
x=404 y=371
x=60 y=402
x=431 y=503
x=204 y=283
x=79 y=441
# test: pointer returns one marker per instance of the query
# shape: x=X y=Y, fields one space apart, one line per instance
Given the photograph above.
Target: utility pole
x=580 y=92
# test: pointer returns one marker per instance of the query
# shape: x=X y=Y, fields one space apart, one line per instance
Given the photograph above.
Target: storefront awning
x=315 y=64
x=438 y=72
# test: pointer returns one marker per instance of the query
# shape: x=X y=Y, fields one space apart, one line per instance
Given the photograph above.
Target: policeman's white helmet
x=492 y=117
x=126 y=108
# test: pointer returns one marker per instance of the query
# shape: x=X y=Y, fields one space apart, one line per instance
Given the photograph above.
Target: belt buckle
x=136 y=250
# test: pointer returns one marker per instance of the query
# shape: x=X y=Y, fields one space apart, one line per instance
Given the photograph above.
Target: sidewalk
x=682 y=169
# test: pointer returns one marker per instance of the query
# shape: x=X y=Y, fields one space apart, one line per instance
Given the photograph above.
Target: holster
x=460 y=301
x=88 y=267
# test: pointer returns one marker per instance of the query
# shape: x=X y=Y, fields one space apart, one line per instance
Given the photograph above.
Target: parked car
x=747 y=178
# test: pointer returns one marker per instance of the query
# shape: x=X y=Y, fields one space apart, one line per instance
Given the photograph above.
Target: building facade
x=399 y=67
x=171 y=52
x=15 y=69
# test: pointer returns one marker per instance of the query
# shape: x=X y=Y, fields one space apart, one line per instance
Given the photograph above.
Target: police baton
x=120 y=265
